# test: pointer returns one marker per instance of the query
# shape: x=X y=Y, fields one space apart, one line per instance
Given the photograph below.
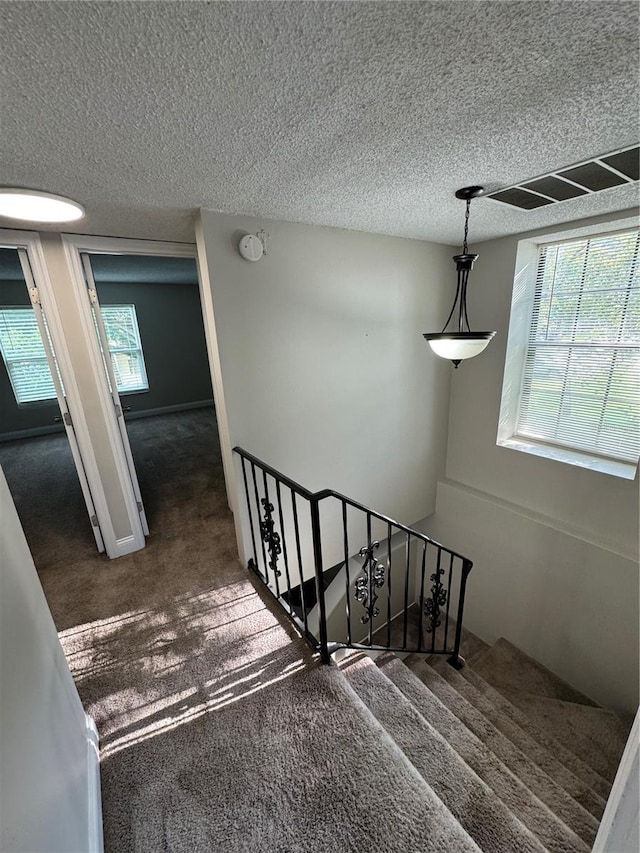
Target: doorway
x=149 y=328
x=39 y=451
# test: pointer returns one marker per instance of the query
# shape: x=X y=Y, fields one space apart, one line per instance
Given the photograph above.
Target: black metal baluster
x=346 y=569
x=296 y=528
x=253 y=538
x=455 y=660
x=422 y=574
x=389 y=585
x=284 y=545
x=269 y=535
x=437 y=592
x=406 y=590
x=317 y=558
x=370 y=579
x=264 y=553
x=446 y=623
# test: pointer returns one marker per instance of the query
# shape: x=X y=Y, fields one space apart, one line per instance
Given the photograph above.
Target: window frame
x=52 y=399
x=521 y=317
x=41 y=401
x=138 y=349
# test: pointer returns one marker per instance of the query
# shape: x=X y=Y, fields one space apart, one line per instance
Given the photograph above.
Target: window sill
x=614 y=467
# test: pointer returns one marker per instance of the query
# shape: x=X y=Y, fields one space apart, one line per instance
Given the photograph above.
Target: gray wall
x=555 y=546
x=173 y=343
x=325 y=373
x=44 y=769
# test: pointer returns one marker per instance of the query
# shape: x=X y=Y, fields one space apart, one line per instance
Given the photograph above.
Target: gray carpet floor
x=221 y=731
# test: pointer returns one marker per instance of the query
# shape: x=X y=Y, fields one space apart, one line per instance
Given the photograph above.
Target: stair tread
x=543 y=786
x=576 y=764
x=471 y=801
x=579 y=790
x=597 y=735
x=508 y=668
x=541 y=820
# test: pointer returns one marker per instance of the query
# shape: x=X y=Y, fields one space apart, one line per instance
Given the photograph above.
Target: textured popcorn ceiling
x=356 y=115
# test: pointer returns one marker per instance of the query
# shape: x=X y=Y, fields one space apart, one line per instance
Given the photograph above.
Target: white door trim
x=30 y=242
x=74 y=244
x=136 y=540
x=226 y=447
x=619 y=828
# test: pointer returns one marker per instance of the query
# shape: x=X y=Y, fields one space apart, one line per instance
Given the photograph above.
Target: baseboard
x=95 y=841
x=33 y=432
x=167 y=410
x=16 y=435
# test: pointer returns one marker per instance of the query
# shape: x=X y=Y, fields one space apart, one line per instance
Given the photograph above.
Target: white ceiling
x=352 y=114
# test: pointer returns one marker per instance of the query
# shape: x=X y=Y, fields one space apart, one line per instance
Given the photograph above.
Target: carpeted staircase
x=521 y=761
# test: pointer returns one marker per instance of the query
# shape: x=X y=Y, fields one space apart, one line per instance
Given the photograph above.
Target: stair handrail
x=322 y=643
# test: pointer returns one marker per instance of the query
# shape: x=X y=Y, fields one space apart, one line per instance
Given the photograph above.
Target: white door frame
x=113 y=385
x=30 y=242
x=75 y=244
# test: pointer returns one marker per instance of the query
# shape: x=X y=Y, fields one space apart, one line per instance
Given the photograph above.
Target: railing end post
x=456 y=661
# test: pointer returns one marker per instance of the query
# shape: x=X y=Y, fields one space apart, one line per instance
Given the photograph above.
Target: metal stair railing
x=396 y=585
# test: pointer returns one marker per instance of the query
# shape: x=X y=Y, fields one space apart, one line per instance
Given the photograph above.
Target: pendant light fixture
x=461 y=342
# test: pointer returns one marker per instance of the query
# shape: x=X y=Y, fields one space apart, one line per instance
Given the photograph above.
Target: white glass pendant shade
x=459 y=347
x=36 y=206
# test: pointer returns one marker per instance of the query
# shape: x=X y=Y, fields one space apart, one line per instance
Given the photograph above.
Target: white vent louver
x=593 y=176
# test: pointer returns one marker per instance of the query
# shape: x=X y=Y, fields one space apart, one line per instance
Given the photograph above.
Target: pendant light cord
x=465 y=248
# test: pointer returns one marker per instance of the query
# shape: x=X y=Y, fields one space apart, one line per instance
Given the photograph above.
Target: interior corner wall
x=325 y=372
x=555 y=546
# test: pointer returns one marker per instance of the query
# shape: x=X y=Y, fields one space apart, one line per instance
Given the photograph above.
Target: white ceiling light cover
x=36 y=206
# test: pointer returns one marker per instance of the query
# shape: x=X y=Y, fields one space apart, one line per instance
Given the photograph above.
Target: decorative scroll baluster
x=371 y=579
x=438 y=599
x=270 y=536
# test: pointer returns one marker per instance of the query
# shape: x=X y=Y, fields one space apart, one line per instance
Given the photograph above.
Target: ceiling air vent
x=600 y=173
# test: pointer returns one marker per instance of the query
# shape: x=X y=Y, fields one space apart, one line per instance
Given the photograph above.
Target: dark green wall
x=173 y=343
x=14 y=418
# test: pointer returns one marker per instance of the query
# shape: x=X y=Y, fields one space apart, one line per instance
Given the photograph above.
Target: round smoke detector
x=250 y=247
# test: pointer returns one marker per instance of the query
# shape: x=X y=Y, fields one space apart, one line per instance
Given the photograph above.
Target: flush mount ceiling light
x=461 y=343
x=36 y=206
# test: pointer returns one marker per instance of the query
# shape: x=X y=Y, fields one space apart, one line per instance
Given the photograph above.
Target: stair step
x=392 y=780
x=549 y=828
x=577 y=766
x=579 y=790
x=476 y=807
x=509 y=669
x=596 y=735
x=582 y=822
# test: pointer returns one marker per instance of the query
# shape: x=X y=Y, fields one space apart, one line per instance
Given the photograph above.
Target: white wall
x=48 y=784
x=324 y=370
x=555 y=546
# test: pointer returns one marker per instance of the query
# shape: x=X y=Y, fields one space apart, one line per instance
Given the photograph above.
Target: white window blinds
x=27 y=365
x=24 y=355
x=123 y=336
x=581 y=382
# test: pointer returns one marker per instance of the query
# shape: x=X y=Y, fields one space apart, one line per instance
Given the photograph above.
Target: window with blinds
x=24 y=355
x=581 y=379
x=123 y=337
x=26 y=361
